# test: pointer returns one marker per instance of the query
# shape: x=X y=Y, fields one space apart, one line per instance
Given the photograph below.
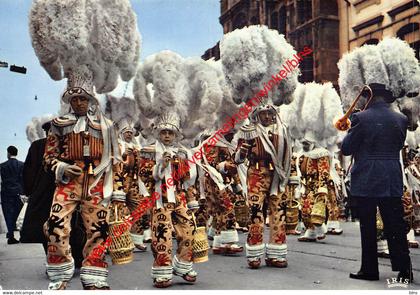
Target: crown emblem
x=101 y=214
x=161 y=248
x=56 y=208
x=161 y=217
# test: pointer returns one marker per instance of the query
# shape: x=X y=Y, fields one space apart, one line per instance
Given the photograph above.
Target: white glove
x=24 y=198
x=72 y=171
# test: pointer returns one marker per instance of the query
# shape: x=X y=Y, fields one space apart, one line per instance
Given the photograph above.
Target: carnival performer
x=265 y=144
x=124 y=113
x=315 y=141
x=188 y=93
x=79 y=150
x=411 y=185
x=164 y=165
x=250 y=63
x=416 y=193
x=222 y=189
x=315 y=168
x=82 y=146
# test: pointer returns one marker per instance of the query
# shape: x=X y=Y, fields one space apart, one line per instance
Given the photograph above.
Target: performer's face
x=266 y=118
x=80 y=105
x=306 y=145
x=167 y=137
x=128 y=136
x=229 y=136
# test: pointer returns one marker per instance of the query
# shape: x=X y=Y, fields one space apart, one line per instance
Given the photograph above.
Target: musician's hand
x=129 y=151
x=230 y=168
x=244 y=150
x=166 y=158
x=73 y=171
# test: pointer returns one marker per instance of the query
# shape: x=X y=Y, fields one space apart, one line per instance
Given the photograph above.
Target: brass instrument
x=343 y=124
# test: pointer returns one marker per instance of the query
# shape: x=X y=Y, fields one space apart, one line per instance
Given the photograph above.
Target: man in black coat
x=375 y=140
x=11 y=189
x=39 y=186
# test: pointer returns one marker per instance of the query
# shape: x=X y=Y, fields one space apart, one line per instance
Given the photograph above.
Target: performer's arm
x=240 y=154
x=354 y=137
x=52 y=150
x=51 y=158
x=227 y=166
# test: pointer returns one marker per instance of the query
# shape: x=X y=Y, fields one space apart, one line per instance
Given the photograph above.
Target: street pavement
x=322 y=265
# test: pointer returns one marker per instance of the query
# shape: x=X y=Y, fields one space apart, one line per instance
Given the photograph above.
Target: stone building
x=330 y=27
x=369 y=21
x=312 y=23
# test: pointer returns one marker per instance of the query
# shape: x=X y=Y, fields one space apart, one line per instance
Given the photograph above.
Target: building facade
x=330 y=27
x=312 y=23
x=369 y=21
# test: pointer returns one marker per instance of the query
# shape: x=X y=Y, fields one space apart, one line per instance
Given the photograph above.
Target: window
x=304 y=10
x=274 y=21
x=411 y=33
x=307 y=69
x=239 y=21
x=371 y=42
x=282 y=20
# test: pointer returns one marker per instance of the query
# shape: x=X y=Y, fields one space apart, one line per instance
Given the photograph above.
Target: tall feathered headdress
x=391 y=62
x=168 y=86
x=89 y=42
x=34 y=130
x=123 y=111
x=250 y=56
x=311 y=114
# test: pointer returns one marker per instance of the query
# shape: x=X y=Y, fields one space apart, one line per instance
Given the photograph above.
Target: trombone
x=343 y=124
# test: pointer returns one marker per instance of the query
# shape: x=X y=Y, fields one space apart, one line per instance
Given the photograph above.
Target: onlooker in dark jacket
x=39 y=186
x=375 y=140
x=11 y=189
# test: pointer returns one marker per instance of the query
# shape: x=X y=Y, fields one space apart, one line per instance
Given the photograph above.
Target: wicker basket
x=200 y=245
x=121 y=247
x=241 y=213
x=319 y=210
x=292 y=215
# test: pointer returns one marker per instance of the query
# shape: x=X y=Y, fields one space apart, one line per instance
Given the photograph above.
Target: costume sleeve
x=51 y=155
x=52 y=150
x=354 y=137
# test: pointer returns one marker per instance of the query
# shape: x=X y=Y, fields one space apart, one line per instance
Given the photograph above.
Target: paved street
x=315 y=266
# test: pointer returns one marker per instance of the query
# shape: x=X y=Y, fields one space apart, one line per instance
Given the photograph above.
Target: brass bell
x=270 y=166
x=257 y=166
x=90 y=169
